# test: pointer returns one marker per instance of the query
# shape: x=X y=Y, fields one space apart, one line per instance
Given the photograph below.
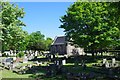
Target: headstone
x=36 y=53
x=29 y=65
x=107 y=65
x=23 y=67
x=51 y=56
x=25 y=60
x=9 y=60
x=0 y=54
x=113 y=62
x=63 y=62
x=14 y=58
x=104 y=61
x=12 y=66
x=57 y=62
x=30 y=57
x=30 y=51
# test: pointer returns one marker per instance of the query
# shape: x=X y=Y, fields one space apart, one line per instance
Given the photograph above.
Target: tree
x=48 y=43
x=93 y=26
x=11 y=25
x=36 y=41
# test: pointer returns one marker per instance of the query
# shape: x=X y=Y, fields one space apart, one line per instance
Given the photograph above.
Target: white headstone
x=14 y=58
x=51 y=56
x=107 y=64
x=23 y=67
x=25 y=60
x=63 y=62
x=113 y=61
x=36 y=53
x=104 y=61
x=0 y=54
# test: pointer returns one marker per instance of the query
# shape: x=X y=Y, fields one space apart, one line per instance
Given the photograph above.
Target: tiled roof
x=59 y=40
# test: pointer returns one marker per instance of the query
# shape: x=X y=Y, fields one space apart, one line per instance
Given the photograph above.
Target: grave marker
x=104 y=61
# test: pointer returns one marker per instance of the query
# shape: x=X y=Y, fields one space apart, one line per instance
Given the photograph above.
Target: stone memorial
x=25 y=60
x=23 y=67
x=104 y=61
x=113 y=62
x=0 y=54
x=14 y=58
x=107 y=65
x=63 y=62
x=36 y=54
x=29 y=65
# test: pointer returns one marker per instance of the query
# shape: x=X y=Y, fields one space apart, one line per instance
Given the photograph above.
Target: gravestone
x=36 y=53
x=12 y=66
x=51 y=56
x=23 y=67
x=0 y=54
x=25 y=60
x=29 y=65
x=57 y=62
x=104 y=61
x=30 y=57
x=14 y=58
x=9 y=59
x=107 y=65
x=63 y=62
x=7 y=53
x=113 y=62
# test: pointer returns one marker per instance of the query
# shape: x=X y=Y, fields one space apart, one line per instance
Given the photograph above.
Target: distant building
x=61 y=46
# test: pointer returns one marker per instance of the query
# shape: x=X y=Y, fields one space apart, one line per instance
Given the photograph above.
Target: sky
x=44 y=17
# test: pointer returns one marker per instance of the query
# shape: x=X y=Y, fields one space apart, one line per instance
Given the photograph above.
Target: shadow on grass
x=97 y=73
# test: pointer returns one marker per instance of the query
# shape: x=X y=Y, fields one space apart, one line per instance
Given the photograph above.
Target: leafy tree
x=93 y=26
x=11 y=25
x=36 y=41
x=48 y=43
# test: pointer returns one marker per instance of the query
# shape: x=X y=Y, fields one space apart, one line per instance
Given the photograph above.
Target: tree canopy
x=11 y=25
x=93 y=25
x=12 y=36
x=37 y=41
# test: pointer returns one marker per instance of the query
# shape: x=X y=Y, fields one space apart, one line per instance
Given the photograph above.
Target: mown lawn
x=10 y=74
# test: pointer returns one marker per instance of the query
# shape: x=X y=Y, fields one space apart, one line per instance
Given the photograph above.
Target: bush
x=20 y=54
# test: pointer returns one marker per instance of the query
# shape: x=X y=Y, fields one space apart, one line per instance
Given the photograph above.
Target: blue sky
x=44 y=17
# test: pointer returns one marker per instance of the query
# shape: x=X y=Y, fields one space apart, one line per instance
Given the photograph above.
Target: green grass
x=10 y=74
